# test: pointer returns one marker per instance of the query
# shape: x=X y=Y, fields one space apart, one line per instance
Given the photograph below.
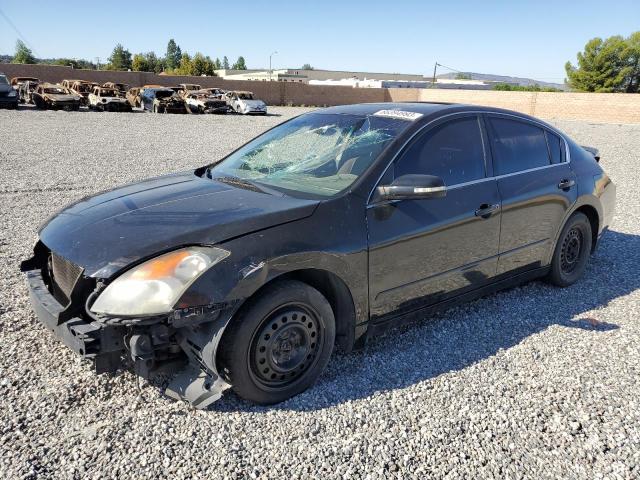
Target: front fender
x=258 y=258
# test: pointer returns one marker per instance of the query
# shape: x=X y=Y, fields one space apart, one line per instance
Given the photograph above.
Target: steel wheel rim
x=571 y=250
x=285 y=346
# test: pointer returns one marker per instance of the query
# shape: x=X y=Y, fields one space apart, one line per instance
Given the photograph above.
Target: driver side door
x=423 y=251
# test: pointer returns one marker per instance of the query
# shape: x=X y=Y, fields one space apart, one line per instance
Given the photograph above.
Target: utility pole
x=435 y=67
x=97 y=63
x=270 y=70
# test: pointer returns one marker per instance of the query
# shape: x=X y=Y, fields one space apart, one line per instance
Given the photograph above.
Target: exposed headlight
x=154 y=287
x=13 y=93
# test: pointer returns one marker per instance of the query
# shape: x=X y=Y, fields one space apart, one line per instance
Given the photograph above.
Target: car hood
x=109 y=231
x=60 y=97
x=252 y=103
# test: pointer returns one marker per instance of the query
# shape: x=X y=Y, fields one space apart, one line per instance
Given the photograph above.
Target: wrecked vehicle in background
x=162 y=100
x=121 y=87
x=108 y=99
x=48 y=96
x=216 y=92
x=8 y=95
x=25 y=92
x=201 y=101
x=17 y=81
x=184 y=88
x=82 y=88
x=244 y=103
x=133 y=96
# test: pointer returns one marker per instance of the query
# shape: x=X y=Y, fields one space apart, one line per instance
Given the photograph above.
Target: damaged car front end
x=107 y=99
x=205 y=102
x=147 y=339
x=55 y=97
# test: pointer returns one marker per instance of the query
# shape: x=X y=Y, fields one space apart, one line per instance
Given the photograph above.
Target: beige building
x=265 y=76
x=303 y=76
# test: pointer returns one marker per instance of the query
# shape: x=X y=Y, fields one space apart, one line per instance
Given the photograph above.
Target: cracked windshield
x=318 y=154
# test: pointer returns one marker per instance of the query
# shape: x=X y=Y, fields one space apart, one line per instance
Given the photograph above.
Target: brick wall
x=595 y=107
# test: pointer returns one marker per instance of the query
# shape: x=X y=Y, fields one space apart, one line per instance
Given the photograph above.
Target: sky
x=527 y=39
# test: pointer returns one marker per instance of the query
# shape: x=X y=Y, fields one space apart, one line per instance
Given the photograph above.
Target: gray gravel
x=534 y=382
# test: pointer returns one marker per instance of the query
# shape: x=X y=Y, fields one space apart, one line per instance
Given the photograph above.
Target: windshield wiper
x=237 y=182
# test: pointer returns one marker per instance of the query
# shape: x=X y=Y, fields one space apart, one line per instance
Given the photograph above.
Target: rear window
x=517 y=146
x=555 y=149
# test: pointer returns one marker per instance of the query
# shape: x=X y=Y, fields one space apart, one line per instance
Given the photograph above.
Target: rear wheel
x=280 y=343
x=572 y=251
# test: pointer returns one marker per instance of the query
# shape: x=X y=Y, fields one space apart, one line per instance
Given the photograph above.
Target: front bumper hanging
x=102 y=344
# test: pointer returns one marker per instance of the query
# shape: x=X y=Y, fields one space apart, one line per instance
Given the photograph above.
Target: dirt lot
x=535 y=381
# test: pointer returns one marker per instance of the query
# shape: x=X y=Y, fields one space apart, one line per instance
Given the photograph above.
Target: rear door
x=422 y=251
x=536 y=185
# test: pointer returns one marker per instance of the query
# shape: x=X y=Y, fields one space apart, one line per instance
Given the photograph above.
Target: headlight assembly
x=153 y=287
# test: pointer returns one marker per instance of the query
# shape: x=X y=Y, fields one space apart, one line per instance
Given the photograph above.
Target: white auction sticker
x=398 y=114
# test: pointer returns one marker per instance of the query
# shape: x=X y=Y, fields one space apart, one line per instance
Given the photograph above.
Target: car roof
x=429 y=110
x=371 y=108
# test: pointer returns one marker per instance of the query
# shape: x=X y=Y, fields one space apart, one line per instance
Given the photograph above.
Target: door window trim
x=482 y=117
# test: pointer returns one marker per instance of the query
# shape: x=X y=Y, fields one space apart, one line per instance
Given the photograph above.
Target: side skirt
x=382 y=326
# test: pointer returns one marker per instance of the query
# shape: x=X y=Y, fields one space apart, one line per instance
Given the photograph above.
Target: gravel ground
x=534 y=382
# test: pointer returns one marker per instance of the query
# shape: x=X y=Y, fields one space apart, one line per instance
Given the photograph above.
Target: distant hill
x=525 y=82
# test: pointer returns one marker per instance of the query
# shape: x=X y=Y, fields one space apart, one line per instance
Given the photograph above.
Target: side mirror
x=412 y=187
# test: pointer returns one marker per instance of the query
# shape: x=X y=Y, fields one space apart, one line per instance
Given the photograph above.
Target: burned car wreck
x=326 y=230
x=162 y=100
x=202 y=101
x=48 y=96
x=107 y=99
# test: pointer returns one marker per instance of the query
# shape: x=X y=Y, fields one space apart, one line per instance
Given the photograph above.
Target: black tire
x=279 y=344
x=571 y=255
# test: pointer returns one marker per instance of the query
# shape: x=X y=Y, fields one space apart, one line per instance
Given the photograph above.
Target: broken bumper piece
x=147 y=349
x=93 y=341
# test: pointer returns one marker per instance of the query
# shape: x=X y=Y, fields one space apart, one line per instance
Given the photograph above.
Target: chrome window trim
x=567 y=153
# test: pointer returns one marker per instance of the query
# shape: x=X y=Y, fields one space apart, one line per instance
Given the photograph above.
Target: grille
x=65 y=274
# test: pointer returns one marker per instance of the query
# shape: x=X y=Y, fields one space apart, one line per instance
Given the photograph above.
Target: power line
x=20 y=35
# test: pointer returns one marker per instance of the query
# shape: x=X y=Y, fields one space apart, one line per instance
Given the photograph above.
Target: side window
x=517 y=146
x=555 y=149
x=453 y=151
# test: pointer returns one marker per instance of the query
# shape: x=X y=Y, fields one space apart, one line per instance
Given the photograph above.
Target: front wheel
x=571 y=255
x=279 y=344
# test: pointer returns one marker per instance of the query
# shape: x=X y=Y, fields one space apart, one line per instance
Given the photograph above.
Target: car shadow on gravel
x=468 y=334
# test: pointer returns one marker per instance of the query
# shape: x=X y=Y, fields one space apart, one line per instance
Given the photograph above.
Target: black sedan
x=320 y=233
x=8 y=95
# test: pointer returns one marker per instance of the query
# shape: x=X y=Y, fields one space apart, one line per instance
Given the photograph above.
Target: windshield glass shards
x=319 y=154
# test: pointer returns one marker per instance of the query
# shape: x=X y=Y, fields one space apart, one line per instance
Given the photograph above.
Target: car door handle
x=486 y=210
x=565 y=184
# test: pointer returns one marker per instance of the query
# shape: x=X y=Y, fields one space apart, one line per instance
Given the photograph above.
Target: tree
x=463 y=76
x=209 y=66
x=75 y=63
x=609 y=65
x=139 y=63
x=198 y=64
x=185 y=67
x=225 y=63
x=507 y=87
x=240 y=64
x=306 y=66
x=155 y=64
x=173 y=55
x=120 y=59
x=218 y=64
x=23 y=53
